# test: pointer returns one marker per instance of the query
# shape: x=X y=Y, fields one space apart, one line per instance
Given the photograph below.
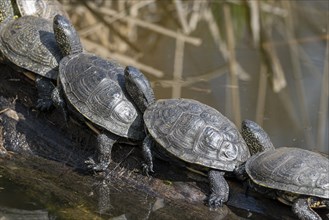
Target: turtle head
x=139 y=88
x=255 y=137
x=66 y=36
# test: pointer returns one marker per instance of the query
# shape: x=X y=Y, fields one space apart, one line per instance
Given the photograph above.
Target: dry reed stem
x=188 y=81
x=233 y=76
x=156 y=28
x=323 y=108
x=222 y=47
x=294 y=51
x=196 y=14
x=101 y=51
x=90 y=30
x=261 y=96
x=182 y=16
x=265 y=7
x=95 y=11
x=278 y=79
x=178 y=67
x=299 y=40
x=254 y=20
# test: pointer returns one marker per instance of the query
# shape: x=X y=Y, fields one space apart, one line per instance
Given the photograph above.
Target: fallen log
x=45 y=157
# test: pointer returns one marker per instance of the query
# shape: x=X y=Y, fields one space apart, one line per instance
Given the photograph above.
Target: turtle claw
x=215 y=201
x=91 y=164
x=44 y=104
x=147 y=168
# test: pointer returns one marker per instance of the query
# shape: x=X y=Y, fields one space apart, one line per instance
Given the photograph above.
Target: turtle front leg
x=148 y=143
x=59 y=102
x=45 y=88
x=302 y=209
x=219 y=189
x=104 y=148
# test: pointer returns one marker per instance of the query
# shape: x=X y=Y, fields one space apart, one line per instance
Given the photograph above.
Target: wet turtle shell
x=196 y=133
x=6 y=10
x=96 y=88
x=41 y=8
x=29 y=43
x=291 y=169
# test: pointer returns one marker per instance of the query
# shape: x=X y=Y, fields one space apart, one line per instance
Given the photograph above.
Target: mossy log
x=46 y=158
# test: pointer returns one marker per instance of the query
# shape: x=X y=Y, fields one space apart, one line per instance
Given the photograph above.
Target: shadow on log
x=44 y=158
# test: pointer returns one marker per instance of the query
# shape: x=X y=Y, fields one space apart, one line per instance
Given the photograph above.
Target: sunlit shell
x=196 y=133
x=41 y=8
x=29 y=43
x=95 y=87
x=291 y=169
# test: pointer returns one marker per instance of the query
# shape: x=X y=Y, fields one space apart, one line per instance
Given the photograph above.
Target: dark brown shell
x=291 y=169
x=29 y=43
x=96 y=88
x=196 y=133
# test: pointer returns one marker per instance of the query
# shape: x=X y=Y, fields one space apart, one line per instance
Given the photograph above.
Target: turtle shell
x=41 y=8
x=96 y=88
x=196 y=133
x=6 y=10
x=291 y=169
x=29 y=43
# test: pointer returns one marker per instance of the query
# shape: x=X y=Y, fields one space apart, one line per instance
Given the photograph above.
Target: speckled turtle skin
x=196 y=133
x=291 y=169
x=29 y=43
x=96 y=88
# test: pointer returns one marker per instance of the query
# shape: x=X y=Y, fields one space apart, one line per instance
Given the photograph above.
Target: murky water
x=279 y=80
x=276 y=74
x=295 y=115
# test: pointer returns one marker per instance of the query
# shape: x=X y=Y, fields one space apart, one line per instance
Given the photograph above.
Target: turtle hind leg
x=45 y=88
x=148 y=143
x=57 y=97
x=103 y=155
x=219 y=189
x=302 y=209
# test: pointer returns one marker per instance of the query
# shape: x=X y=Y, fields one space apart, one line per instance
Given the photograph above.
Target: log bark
x=46 y=157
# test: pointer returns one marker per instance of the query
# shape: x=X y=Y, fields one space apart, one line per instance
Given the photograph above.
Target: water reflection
x=262 y=60
x=265 y=61
x=103 y=197
x=11 y=213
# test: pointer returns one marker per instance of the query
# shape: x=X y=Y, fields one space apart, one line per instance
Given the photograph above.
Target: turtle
x=94 y=89
x=28 y=44
x=294 y=176
x=40 y=8
x=6 y=10
x=189 y=132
